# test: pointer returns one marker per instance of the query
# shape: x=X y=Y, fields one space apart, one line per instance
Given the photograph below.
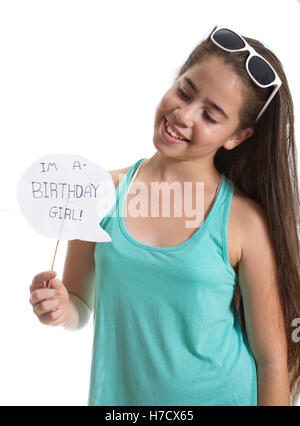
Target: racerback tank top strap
x=124 y=182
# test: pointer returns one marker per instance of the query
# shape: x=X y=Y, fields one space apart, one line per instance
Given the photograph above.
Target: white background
x=85 y=77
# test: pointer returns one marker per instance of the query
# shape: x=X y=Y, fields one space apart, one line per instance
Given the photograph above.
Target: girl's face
x=204 y=105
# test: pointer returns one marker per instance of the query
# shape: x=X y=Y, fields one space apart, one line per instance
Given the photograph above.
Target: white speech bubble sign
x=65 y=196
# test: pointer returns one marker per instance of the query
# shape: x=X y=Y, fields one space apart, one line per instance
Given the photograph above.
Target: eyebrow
x=210 y=102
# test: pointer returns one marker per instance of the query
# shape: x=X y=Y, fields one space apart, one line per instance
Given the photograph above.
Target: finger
x=56 y=284
x=52 y=318
x=41 y=294
x=40 y=278
x=45 y=306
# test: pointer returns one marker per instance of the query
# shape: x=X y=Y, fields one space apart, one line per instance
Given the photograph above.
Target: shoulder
x=118 y=174
x=251 y=223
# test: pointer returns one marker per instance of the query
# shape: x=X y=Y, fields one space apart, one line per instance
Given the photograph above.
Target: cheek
x=168 y=102
x=208 y=135
x=205 y=131
x=160 y=108
x=163 y=108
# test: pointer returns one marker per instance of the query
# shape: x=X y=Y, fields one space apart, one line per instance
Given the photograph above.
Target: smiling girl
x=198 y=316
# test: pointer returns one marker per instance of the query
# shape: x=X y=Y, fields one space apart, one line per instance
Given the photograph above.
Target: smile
x=170 y=135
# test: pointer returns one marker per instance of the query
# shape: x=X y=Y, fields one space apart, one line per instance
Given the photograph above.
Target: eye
x=183 y=94
x=209 y=118
x=186 y=97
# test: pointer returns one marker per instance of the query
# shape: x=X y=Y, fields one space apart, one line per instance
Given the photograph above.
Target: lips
x=175 y=129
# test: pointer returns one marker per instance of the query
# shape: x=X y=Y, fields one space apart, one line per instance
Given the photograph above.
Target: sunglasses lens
x=228 y=39
x=261 y=71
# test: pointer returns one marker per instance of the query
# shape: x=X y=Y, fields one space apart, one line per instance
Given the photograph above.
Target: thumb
x=46 y=283
x=55 y=283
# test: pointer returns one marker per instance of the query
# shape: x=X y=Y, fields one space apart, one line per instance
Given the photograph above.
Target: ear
x=238 y=138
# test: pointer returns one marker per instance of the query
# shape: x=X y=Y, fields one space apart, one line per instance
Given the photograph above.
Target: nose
x=184 y=116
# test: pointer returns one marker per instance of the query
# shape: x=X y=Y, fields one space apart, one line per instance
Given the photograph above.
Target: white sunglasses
x=258 y=68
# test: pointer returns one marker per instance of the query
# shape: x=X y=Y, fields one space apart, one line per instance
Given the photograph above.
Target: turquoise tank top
x=165 y=328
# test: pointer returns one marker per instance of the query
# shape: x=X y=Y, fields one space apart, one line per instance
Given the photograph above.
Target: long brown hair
x=264 y=168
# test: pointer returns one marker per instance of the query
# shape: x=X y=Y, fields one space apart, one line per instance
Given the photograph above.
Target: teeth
x=173 y=133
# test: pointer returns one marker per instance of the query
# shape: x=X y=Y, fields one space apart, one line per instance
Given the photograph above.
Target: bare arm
x=79 y=275
x=78 y=278
x=262 y=308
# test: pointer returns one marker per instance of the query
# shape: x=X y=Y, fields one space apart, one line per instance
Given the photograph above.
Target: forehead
x=217 y=81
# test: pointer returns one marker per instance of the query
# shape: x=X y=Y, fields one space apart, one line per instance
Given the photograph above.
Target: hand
x=51 y=305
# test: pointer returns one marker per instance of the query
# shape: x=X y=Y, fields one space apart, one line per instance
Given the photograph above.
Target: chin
x=164 y=150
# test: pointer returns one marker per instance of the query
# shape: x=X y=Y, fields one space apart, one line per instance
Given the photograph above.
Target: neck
x=172 y=169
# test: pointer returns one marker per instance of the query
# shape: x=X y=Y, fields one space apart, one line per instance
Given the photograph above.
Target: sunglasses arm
x=276 y=88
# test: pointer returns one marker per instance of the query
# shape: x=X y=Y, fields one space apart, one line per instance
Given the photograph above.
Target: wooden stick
x=53 y=262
